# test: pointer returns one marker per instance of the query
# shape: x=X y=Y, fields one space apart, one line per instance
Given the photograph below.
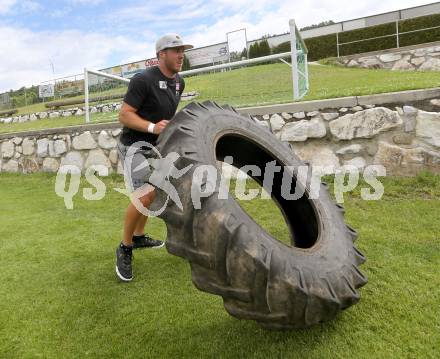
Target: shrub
x=325 y=46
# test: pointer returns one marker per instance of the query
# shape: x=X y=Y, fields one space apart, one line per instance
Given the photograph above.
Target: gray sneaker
x=124 y=257
x=146 y=241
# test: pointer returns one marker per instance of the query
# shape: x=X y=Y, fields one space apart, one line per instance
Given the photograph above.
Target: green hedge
x=283 y=47
x=259 y=49
x=421 y=36
x=325 y=46
x=320 y=47
x=368 y=45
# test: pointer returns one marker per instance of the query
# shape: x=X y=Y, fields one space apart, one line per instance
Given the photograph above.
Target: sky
x=41 y=40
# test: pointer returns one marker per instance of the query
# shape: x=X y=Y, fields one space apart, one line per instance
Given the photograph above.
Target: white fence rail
x=397 y=35
x=373 y=20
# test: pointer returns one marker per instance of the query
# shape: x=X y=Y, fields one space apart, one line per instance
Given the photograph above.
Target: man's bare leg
x=140 y=226
x=134 y=219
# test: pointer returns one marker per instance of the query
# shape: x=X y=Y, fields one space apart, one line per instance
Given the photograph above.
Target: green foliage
x=259 y=49
x=320 y=47
x=283 y=47
x=186 y=65
x=323 y=23
x=24 y=96
x=244 y=53
x=264 y=48
x=421 y=36
x=369 y=45
x=254 y=50
x=325 y=46
x=235 y=56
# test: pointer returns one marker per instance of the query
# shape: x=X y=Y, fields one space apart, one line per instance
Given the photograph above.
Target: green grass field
x=60 y=297
x=268 y=84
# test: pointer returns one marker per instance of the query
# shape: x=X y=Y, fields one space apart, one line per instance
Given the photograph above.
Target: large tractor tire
x=258 y=277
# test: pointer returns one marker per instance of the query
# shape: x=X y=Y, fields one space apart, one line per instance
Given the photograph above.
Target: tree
x=324 y=23
x=259 y=49
x=186 y=64
x=254 y=50
x=244 y=53
x=264 y=48
x=283 y=47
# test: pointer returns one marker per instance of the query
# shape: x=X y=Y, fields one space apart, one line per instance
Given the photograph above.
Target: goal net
x=103 y=94
x=257 y=81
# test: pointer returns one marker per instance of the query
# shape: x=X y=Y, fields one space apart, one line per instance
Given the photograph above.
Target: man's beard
x=171 y=68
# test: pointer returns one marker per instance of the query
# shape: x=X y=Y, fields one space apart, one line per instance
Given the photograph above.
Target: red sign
x=151 y=62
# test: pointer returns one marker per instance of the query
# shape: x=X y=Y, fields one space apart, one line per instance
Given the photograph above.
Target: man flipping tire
x=150 y=102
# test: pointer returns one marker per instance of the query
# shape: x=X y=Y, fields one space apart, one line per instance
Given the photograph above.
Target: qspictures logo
x=159 y=173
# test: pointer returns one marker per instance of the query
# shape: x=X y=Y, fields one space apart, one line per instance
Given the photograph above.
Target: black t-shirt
x=155 y=97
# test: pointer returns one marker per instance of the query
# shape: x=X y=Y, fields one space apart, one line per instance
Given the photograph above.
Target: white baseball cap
x=171 y=40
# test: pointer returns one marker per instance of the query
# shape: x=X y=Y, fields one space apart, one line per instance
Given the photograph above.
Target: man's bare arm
x=129 y=118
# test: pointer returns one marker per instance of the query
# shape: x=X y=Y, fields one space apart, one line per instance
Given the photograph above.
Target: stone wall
x=411 y=58
x=47 y=152
x=405 y=139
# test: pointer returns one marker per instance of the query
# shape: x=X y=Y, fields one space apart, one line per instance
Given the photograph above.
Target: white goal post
x=300 y=73
x=87 y=72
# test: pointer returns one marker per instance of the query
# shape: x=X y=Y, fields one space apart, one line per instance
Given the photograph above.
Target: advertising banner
x=208 y=55
x=45 y=91
x=65 y=87
x=117 y=71
x=4 y=98
x=129 y=70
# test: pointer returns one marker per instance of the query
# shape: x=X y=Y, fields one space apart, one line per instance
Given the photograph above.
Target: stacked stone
x=47 y=154
x=405 y=141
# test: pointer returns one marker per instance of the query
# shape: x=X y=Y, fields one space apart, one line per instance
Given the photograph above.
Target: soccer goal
x=103 y=93
x=257 y=81
x=300 y=73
